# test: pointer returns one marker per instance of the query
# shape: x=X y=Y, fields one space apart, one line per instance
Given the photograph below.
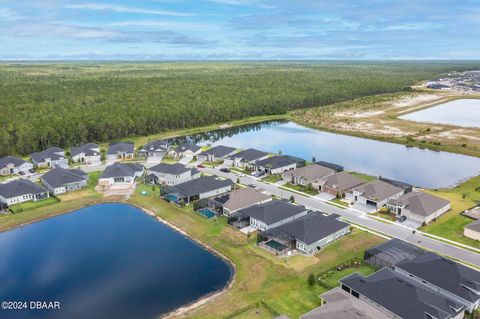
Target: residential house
x=185 y=150
x=60 y=180
x=120 y=150
x=342 y=305
x=472 y=230
x=235 y=200
x=155 y=149
x=196 y=189
x=21 y=190
x=306 y=175
x=170 y=174
x=445 y=277
x=307 y=234
x=337 y=168
x=277 y=164
x=13 y=165
x=271 y=214
x=88 y=154
x=398 y=297
x=376 y=193
x=337 y=184
x=391 y=252
x=245 y=158
x=51 y=157
x=407 y=188
x=216 y=153
x=120 y=174
x=419 y=206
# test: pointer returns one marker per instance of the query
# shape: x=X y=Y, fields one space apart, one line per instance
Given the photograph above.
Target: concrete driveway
x=325 y=196
x=364 y=208
x=409 y=223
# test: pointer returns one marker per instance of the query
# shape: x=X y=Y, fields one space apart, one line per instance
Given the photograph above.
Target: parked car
x=225 y=170
x=252 y=185
x=402 y=218
x=200 y=166
x=240 y=174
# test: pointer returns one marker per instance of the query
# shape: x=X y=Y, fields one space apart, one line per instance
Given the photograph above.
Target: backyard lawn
x=281 y=283
x=451 y=224
x=272 y=178
x=301 y=188
x=30 y=205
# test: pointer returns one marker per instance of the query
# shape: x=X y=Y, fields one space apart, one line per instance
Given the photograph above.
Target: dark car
x=225 y=170
x=200 y=166
x=402 y=219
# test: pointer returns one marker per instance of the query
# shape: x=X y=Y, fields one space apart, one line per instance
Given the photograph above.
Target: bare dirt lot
x=377 y=117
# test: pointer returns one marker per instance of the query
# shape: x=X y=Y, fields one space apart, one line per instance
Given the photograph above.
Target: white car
x=252 y=185
x=240 y=175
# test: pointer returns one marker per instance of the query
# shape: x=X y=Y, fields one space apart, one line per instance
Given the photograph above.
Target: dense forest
x=67 y=104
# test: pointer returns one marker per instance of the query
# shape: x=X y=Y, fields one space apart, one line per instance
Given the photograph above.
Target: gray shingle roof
x=174 y=169
x=185 y=147
x=11 y=160
x=88 y=149
x=59 y=177
x=121 y=170
x=420 y=203
x=310 y=172
x=407 y=300
x=312 y=227
x=52 y=153
x=199 y=186
x=445 y=273
x=20 y=187
x=277 y=161
x=475 y=226
x=160 y=145
x=121 y=147
x=342 y=181
x=248 y=155
x=218 y=151
x=241 y=198
x=378 y=190
x=272 y=211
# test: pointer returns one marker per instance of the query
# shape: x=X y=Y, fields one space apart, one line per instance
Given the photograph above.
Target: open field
x=450 y=225
x=377 y=117
x=75 y=103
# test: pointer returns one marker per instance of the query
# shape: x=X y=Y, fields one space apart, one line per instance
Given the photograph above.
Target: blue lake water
x=420 y=167
x=105 y=261
x=464 y=112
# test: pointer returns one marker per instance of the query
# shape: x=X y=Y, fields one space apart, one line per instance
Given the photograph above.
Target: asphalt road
x=391 y=230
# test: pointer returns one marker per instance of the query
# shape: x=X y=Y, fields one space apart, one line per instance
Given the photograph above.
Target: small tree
x=314 y=159
x=181 y=203
x=292 y=199
x=238 y=180
x=311 y=280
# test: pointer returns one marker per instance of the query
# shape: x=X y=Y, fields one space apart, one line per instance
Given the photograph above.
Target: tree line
x=63 y=105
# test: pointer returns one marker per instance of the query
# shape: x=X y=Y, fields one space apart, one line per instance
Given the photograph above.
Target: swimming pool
x=206 y=212
x=276 y=245
x=171 y=198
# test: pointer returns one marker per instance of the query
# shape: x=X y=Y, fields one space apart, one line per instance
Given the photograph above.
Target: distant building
x=277 y=164
x=235 y=200
x=60 y=180
x=472 y=230
x=245 y=158
x=216 y=153
x=13 y=165
x=185 y=150
x=155 y=149
x=88 y=154
x=120 y=150
x=170 y=174
x=51 y=157
x=419 y=206
x=21 y=190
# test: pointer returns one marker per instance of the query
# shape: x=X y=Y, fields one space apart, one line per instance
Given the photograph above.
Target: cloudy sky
x=239 y=29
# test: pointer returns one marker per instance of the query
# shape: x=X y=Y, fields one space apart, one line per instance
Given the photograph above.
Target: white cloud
x=166 y=24
x=124 y=9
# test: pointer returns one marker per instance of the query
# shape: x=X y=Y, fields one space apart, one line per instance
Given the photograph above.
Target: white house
x=419 y=206
x=121 y=174
x=216 y=153
x=21 y=190
x=60 y=180
x=245 y=158
x=88 y=154
x=120 y=150
x=170 y=174
x=277 y=164
x=375 y=193
x=51 y=157
x=13 y=165
x=186 y=150
x=272 y=214
x=155 y=149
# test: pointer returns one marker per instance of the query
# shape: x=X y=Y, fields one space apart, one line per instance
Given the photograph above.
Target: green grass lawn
x=365 y=177
x=332 y=280
x=272 y=178
x=30 y=205
x=385 y=215
x=450 y=225
x=339 y=202
x=301 y=188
